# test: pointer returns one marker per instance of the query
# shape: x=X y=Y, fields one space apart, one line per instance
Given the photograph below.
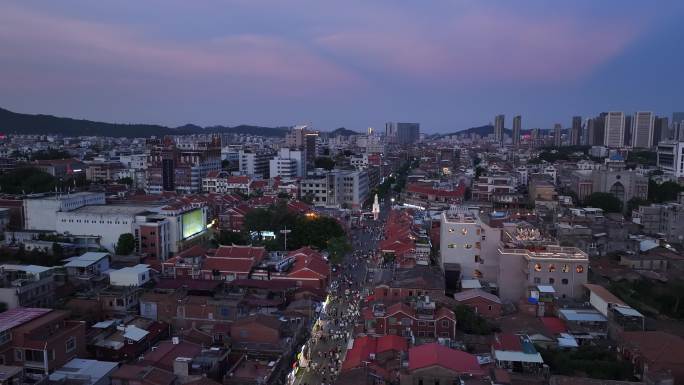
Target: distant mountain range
x=17 y=123
x=489 y=129
x=342 y=132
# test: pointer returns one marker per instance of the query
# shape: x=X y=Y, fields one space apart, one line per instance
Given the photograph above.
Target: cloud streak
x=248 y=58
x=485 y=46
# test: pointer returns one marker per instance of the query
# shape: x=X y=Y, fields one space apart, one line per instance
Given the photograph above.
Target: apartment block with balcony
x=40 y=340
x=486 y=188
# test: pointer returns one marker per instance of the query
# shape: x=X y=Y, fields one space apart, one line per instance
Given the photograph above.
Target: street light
x=285 y=231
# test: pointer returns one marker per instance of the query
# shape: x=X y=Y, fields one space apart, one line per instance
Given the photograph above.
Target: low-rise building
x=27 y=286
x=40 y=340
x=483 y=303
x=426 y=321
x=136 y=275
x=436 y=364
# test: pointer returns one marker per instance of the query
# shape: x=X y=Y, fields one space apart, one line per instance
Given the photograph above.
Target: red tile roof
x=241 y=252
x=508 y=342
x=166 y=352
x=444 y=312
x=229 y=265
x=428 y=355
x=554 y=325
x=421 y=188
x=241 y=179
x=361 y=350
x=391 y=342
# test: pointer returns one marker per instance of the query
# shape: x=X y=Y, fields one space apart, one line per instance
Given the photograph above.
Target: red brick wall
x=483 y=307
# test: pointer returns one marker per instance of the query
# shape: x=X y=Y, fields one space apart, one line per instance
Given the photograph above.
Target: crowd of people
x=328 y=343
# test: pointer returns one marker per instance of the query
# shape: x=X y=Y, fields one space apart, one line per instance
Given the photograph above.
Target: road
x=342 y=313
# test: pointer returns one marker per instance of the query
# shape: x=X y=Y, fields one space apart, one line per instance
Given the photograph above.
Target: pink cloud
x=271 y=61
x=483 y=46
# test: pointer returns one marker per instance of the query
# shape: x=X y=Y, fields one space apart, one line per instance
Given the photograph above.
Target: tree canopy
x=664 y=192
x=337 y=248
x=606 y=201
x=26 y=180
x=324 y=162
x=126 y=244
x=306 y=230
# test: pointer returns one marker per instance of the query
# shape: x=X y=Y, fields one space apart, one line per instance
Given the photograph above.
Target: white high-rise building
x=642 y=129
x=469 y=243
x=671 y=157
x=288 y=164
x=614 y=132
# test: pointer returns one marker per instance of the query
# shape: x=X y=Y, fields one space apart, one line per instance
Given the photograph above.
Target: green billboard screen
x=193 y=223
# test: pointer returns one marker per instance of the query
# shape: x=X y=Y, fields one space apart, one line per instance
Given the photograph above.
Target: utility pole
x=285 y=231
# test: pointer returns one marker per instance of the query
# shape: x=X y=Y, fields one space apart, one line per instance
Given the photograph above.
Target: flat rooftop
x=19 y=316
x=64 y=196
x=79 y=368
x=117 y=209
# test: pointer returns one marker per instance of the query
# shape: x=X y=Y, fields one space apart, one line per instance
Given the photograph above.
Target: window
x=478 y=259
x=552 y=268
x=445 y=323
x=579 y=268
x=5 y=336
x=477 y=274
x=451 y=230
x=537 y=267
x=489 y=307
x=537 y=280
x=421 y=323
x=468 y=246
x=392 y=320
x=464 y=231
x=551 y=281
x=451 y=245
x=564 y=281
x=565 y=268
x=18 y=355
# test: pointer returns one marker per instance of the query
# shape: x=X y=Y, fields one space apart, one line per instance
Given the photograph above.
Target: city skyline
x=450 y=66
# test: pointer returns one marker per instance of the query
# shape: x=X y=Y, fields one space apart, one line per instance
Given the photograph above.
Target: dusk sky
x=449 y=65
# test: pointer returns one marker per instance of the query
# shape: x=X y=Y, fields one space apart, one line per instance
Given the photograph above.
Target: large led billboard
x=193 y=223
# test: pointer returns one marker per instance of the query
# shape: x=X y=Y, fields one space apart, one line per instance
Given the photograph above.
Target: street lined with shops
x=322 y=355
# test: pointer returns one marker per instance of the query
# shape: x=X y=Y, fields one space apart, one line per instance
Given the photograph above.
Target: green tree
x=26 y=180
x=127 y=181
x=126 y=244
x=57 y=250
x=606 y=201
x=50 y=154
x=634 y=204
x=471 y=322
x=231 y=238
x=324 y=162
x=664 y=192
x=337 y=248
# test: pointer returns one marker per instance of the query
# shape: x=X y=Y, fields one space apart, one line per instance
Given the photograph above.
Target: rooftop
x=16 y=317
x=129 y=210
x=79 y=368
x=582 y=315
x=86 y=259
